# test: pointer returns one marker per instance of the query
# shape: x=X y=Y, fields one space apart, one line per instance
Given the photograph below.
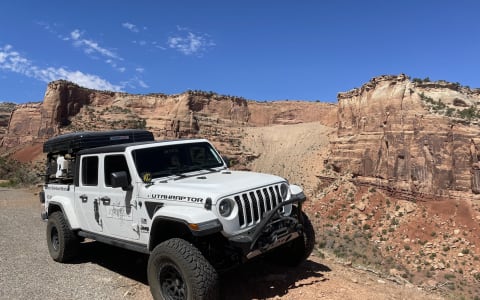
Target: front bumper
x=274 y=230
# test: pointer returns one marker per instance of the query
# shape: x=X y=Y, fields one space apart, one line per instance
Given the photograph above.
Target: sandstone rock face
x=67 y=107
x=406 y=135
x=420 y=137
x=291 y=112
x=6 y=109
x=24 y=125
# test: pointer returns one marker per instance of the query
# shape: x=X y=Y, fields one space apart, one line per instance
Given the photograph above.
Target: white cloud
x=134 y=82
x=13 y=61
x=86 y=80
x=91 y=47
x=75 y=34
x=140 y=43
x=190 y=43
x=114 y=65
x=156 y=45
x=140 y=70
x=130 y=26
x=142 y=84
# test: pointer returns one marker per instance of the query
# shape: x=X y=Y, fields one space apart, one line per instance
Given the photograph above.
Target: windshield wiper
x=210 y=168
x=180 y=173
x=195 y=169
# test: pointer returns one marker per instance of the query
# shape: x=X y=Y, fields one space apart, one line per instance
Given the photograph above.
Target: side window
x=90 y=170
x=115 y=163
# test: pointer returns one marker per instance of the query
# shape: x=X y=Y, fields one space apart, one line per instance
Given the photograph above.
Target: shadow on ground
x=258 y=279
x=261 y=279
x=127 y=263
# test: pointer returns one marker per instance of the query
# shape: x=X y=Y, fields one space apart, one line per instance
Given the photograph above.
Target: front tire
x=62 y=242
x=298 y=250
x=177 y=270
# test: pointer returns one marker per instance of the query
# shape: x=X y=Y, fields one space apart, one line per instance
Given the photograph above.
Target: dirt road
x=104 y=272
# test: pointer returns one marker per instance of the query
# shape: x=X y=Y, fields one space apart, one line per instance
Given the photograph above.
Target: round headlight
x=284 y=191
x=225 y=207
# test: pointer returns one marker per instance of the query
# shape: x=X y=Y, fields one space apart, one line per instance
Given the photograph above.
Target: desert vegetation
x=429 y=244
x=16 y=174
x=469 y=114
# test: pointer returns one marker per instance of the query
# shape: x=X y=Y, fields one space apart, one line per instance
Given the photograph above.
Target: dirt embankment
x=295 y=152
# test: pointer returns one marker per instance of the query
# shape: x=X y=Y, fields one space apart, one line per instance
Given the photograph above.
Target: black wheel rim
x=55 y=239
x=171 y=283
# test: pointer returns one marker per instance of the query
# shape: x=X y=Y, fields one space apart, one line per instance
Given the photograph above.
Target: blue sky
x=260 y=50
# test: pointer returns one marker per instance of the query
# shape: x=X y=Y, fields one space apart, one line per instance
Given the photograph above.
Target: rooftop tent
x=76 y=141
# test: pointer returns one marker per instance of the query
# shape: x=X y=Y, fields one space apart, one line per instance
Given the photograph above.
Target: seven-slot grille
x=252 y=205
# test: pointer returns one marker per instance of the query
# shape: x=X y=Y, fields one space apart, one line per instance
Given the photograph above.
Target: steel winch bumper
x=273 y=231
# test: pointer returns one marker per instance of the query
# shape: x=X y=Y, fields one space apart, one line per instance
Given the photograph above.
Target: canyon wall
x=409 y=135
x=68 y=107
x=6 y=109
x=404 y=134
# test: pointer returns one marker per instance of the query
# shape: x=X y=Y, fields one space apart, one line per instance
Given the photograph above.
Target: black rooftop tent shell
x=76 y=141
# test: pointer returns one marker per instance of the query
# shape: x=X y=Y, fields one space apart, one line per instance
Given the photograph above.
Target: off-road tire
x=178 y=270
x=298 y=250
x=62 y=242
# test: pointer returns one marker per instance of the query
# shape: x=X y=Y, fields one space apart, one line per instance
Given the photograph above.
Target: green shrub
x=449 y=276
x=468 y=113
x=16 y=173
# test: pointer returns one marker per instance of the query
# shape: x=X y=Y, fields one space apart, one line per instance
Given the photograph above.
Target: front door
x=117 y=206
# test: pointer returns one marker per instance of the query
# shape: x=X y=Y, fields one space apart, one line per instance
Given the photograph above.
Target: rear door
x=86 y=194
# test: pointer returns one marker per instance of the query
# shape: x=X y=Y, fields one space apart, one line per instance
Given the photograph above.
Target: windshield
x=161 y=161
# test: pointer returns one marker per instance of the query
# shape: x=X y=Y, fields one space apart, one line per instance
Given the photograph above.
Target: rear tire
x=177 y=270
x=62 y=242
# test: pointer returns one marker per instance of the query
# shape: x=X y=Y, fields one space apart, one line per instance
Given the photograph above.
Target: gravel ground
x=104 y=272
x=28 y=272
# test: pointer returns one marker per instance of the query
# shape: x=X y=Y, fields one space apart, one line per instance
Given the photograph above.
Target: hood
x=214 y=185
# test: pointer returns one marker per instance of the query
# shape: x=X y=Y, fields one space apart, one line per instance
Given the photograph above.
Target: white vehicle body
x=147 y=196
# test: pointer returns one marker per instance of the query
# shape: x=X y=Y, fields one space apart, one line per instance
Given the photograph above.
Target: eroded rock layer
x=67 y=107
x=410 y=135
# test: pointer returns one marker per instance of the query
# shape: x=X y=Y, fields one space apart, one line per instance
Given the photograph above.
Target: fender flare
x=203 y=224
x=67 y=210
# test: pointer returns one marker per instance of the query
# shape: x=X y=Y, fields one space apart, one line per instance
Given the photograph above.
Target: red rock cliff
x=420 y=137
x=68 y=107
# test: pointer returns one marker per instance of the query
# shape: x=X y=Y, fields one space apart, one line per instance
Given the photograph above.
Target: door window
x=90 y=170
x=115 y=163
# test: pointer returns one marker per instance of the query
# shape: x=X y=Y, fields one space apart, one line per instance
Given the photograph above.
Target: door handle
x=84 y=198
x=105 y=200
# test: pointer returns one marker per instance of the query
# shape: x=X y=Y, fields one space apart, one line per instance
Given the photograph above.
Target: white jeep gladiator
x=174 y=200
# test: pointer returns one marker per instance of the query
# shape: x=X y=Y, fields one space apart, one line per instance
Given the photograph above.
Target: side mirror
x=120 y=179
x=227 y=161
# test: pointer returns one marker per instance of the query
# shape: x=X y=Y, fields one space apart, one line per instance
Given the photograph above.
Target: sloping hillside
x=295 y=152
x=430 y=242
